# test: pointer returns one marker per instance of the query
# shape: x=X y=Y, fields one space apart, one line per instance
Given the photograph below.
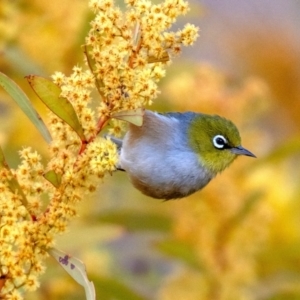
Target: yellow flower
x=14 y=295
x=31 y=283
x=189 y=34
x=126 y=55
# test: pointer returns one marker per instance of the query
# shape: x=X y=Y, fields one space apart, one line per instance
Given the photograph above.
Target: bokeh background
x=237 y=239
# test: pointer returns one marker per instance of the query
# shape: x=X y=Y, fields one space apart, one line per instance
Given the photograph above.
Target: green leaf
x=92 y=65
x=53 y=178
x=19 y=60
x=12 y=183
x=134 y=116
x=225 y=232
x=24 y=103
x=138 y=221
x=164 y=58
x=76 y=269
x=280 y=285
x=3 y=163
x=181 y=251
x=49 y=93
x=108 y=288
x=247 y=207
x=283 y=151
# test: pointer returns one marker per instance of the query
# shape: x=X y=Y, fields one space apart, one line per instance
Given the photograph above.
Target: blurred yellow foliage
x=227 y=223
x=241 y=231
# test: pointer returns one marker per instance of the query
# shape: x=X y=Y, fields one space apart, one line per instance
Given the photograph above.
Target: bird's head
x=216 y=141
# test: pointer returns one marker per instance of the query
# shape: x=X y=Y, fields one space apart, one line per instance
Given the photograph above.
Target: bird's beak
x=239 y=150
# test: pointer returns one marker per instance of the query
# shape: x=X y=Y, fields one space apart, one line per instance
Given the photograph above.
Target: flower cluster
x=126 y=55
x=128 y=52
x=23 y=241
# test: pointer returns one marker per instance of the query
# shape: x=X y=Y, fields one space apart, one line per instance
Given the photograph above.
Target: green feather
x=202 y=130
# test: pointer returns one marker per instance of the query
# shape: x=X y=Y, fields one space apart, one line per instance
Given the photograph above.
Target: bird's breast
x=164 y=173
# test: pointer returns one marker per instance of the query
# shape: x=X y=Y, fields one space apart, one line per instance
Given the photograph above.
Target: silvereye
x=173 y=155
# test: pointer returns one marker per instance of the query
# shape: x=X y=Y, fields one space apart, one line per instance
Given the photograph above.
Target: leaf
x=136 y=36
x=24 y=103
x=283 y=151
x=180 y=251
x=76 y=269
x=280 y=285
x=164 y=58
x=137 y=221
x=248 y=205
x=227 y=229
x=134 y=116
x=92 y=65
x=49 y=93
x=12 y=183
x=110 y=288
x=3 y=163
x=53 y=178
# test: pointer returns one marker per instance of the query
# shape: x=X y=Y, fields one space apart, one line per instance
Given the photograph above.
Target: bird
x=173 y=155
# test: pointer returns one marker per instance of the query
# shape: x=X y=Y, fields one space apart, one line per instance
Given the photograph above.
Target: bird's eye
x=219 y=141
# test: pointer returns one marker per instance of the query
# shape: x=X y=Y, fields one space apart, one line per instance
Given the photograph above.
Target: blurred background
x=239 y=238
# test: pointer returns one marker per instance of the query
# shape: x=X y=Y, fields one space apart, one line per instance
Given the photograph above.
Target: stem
x=92 y=70
x=135 y=52
x=101 y=122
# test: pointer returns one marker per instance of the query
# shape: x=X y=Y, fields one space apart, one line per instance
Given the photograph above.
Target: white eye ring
x=219 y=141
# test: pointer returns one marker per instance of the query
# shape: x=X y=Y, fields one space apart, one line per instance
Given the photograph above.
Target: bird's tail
x=118 y=143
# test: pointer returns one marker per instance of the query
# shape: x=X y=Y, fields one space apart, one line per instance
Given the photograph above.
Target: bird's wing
x=186 y=116
x=116 y=141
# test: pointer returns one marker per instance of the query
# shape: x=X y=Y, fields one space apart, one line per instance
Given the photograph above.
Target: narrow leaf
x=136 y=34
x=283 y=151
x=53 y=178
x=110 y=288
x=13 y=182
x=24 y=103
x=134 y=116
x=92 y=65
x=164 y=58
x=248 y=205
x=76 y=269
x=137 y=221
x=2 y=160
x=49 y=93
x=180 y=251
x=227 y=229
